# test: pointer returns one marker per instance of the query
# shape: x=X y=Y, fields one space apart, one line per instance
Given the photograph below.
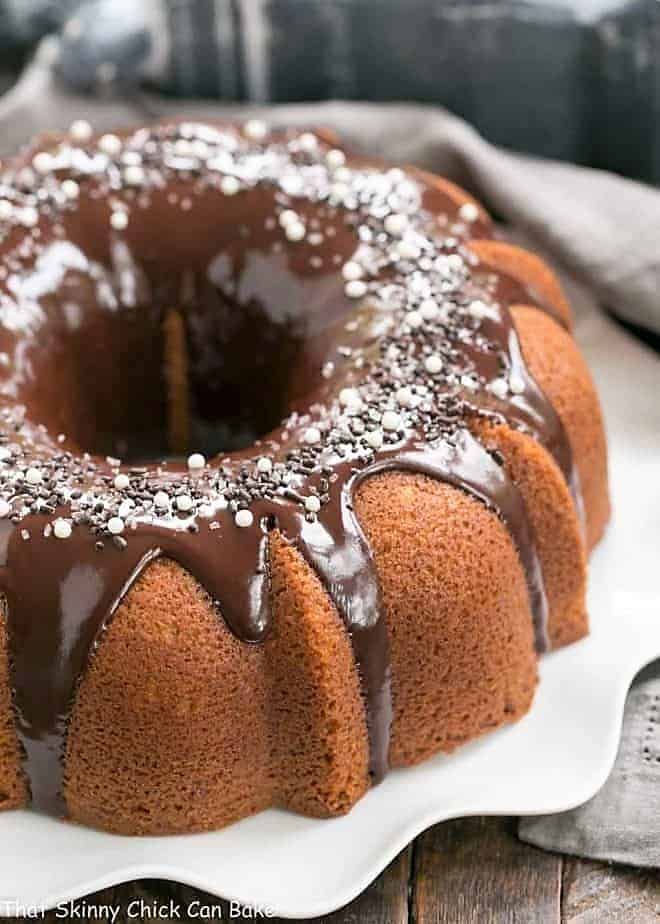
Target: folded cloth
x=622 y=822
x=602 y=228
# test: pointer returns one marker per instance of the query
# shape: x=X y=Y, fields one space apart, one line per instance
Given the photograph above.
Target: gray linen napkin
x=601 y=228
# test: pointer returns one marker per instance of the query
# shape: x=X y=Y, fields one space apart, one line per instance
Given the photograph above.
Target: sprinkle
x=70 y=189
x=5 y=508
x=390 y=420
x=404 y=396
x=184 y=503
x=80 y=130
x=295 y=231
x=480 y=310
x=375 y=438
x=350 y=397
x=196 y=461
x=264 y=465
x=255 y=130
x=433 y=364
x=288 y=217
x=352 y=271
x=407 y=250
x=335 y=158
x=468 y=212
x=6 y=209
x=205 y=511
x=118 y=220
x=29 y=216
x=516 y=383
x=396 y=224
x=499 y=388
x=115 y=526
x=308 y=142
x=43 y=162
x=429 y=309
x=243 y=518
x=122 y=481
x=33 y=476
x=161 y=499
x=312 y=504
x=229 y=185
x=356 y=288
x=312 y=435
x=134 y=175
x=125 y=508
x=110 y=145
x=414 y=319
x=62 y=529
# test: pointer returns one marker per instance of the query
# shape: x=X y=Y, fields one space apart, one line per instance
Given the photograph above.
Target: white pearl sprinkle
x=308 y=142
x=116 y=526
x=339 y=191
x=468 y=211
x=255 y=130
x=351 y=271
x=5 y=508
x=288 y=217
x=161 y=499
x=80 y=130
x=122 y=481
x=312 y=504
x=396 y=223
x=499 y=388
x=350 y=397
x=29 y=216
x=6 y=209
x=375 y=438
x=312 y=435
x=70 y=189
x=264 y=465
x=356 y=288
x=118 y=220
x=184 y=502
x=110 y=145
x=516 y=383
x=429 y=309
x=335 y=158
x=390 y=420
x=230 y=185
x=407 y=250
x=134 y=175
x=469 y=382
x=125 y=508
x=43 y=162
x=62 y=529
x=414 y=319
x=33 y=476
x=221 y=502
x=479 y=309
x=404 y=396
x=243 y=518
x=295 y=231
x=205 y=511
x=433 y=364
x=196 y=461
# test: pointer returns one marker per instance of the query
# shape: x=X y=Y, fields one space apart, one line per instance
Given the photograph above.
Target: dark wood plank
x=476 y=870
x=596 y=892
x=384 y=902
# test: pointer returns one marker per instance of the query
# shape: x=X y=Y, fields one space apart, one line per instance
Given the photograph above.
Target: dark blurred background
x=577 y=80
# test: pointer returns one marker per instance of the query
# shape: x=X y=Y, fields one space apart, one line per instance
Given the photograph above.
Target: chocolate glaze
x=247 y=298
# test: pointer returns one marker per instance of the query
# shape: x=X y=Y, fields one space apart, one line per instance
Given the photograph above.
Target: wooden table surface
x=472 y=871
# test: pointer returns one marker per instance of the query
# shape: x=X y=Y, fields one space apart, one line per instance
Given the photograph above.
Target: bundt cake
x=299 y=470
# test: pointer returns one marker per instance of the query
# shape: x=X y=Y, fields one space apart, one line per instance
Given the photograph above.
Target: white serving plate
x=554 y=759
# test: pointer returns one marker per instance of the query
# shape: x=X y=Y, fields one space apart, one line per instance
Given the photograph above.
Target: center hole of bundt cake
x=182 y=383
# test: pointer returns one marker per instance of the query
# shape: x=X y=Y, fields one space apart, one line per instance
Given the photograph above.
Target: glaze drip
x=360 y=275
